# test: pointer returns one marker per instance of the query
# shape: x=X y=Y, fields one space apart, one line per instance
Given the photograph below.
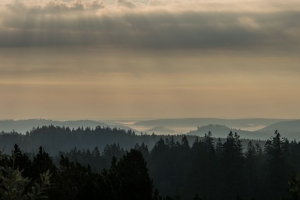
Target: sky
x=130 y=59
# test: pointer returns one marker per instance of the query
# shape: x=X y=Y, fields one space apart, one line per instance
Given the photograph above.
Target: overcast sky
x=149 y=59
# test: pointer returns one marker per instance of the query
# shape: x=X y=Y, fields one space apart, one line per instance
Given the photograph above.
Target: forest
x=59 y=138
x=175 y=167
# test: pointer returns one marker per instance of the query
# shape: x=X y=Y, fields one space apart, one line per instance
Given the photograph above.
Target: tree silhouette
x=277 y=166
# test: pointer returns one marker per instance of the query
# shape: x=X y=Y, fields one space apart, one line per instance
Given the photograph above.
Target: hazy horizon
x=132 y=120
x=265 y=127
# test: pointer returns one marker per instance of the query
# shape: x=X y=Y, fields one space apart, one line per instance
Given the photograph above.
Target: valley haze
x=252 y=128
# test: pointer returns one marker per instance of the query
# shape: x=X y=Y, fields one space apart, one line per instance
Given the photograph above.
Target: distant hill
x=249 y=124
x=160 y=130
x=222 y=132
x=285 y=126
x=22 y=126
x=288 y=129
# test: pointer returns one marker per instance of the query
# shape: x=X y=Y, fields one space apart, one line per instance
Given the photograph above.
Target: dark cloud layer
x=175 y=25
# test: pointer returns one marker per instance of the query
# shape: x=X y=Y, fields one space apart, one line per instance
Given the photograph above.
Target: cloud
x=125 y=3
x=52 y=7
x=265 y=24
x=197 y=55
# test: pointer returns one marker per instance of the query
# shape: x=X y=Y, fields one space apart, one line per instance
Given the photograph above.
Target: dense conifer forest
x=55 y=139
x=175 y=167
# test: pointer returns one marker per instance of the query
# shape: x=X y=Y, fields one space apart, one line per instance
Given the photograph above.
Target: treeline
x=209 y=169
x=177 y=170
x=25 y=179
x=222 y=170
x=54 y=139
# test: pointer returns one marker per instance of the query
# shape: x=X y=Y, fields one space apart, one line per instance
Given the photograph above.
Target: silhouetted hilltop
x=161 y=130
x=195 y=122
x=22 y=126
x=222 y=132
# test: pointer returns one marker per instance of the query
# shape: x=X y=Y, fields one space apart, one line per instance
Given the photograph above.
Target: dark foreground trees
x=127 y=179
x=13 y=184
x=224 y=171
x=277 y=166
x=206 y=169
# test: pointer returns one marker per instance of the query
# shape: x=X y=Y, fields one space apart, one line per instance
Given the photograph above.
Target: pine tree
x=277 y=168
x=232 y=165
x=133 y=177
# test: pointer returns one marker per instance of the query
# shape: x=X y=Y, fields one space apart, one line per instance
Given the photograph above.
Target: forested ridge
x=54 y=139
x=205 y=168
